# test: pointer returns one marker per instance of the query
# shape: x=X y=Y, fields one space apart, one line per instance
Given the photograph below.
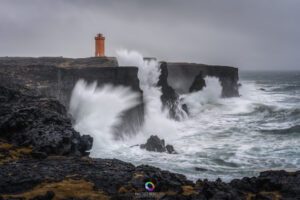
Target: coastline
x=26 y=173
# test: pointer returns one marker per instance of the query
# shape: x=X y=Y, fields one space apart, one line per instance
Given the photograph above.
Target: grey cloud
x=250 y=34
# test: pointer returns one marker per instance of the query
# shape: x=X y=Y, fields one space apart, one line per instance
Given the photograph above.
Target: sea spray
x=148 y=72
x=97 y=109
x=226 y=137
x=209 y=95
x=157 y=120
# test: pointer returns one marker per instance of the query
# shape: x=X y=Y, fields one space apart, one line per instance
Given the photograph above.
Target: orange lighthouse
x=99 y=45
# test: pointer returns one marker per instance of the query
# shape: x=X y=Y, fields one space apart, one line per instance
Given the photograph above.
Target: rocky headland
x=55 y=77
x=43 y=157
x=183 y=78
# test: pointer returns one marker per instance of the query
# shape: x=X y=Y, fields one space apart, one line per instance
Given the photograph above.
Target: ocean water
x=227 y=138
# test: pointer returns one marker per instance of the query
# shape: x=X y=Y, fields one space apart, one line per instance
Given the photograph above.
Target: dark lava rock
x=40 y=123
x=121 y=180
x=109 y=175
x=170 y=98
x=154 y=143
x=170 y=149
x=198 y=83
x=277 y=184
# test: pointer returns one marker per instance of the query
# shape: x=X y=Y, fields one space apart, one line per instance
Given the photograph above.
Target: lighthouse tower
x=99 y=45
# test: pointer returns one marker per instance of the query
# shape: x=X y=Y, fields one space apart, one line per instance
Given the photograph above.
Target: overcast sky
x=249 y=34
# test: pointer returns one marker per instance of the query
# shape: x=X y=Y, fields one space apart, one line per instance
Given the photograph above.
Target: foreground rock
x=154 y=143
x=39 y=123
x=86 y=178
x=108 y=176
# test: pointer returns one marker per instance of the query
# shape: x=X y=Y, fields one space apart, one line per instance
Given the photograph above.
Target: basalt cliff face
x=183 y=78
x=189 y=77
x=56 y=77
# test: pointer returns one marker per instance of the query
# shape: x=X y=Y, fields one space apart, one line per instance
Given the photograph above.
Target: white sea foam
x=97 y=109
x=157 y=121
x=208 y=96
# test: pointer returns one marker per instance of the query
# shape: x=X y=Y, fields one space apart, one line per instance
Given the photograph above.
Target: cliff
x=183 y=78
x=56 y=77
x=188 y=77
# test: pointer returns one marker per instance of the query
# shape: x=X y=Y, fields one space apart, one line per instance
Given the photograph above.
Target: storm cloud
x=249 y=34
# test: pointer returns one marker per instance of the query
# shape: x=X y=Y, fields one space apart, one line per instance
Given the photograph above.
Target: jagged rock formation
x=169 y=97
x=39 y=123
x=56 y=77
x=154 y=143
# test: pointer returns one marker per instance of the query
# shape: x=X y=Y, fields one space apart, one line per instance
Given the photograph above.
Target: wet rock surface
x=154 y=143
x=39 y=123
